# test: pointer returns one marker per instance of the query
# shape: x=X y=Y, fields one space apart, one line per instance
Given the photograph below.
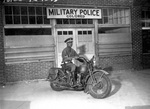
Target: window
x=146 y=41
x=89 y=32
x=146 y=18
x=25 y=15
x=64 y=32
x=115 y=16
x=113 y=30
x=27 y=31
x=74 y=21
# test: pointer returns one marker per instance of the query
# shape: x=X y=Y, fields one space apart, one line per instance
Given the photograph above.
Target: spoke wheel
x=100 y=87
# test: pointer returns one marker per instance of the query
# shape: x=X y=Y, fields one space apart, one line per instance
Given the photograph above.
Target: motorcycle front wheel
x=99 y=85
x=56 y=87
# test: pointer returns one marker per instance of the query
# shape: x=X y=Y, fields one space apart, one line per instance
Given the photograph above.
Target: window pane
x=143 y=24
x=39 y=20
x=59 y=21
x=78 y=21
x=23 y=10
x=31 y=10
x=84 y=32
x=64 y=32
x=84 y=21
x=146 y=41
x=65 y=21
x=72 y=21
x=59 y=32
x=123 y=20
x=70 y=32
x=105 y=13
x=32 y=19
x=44 y=11
x=90 y=21
x=122 y=13
x=16 y=19
x=99 y=21
x=111 y=13
x=79 y=32
x=115 y=13
x=38 y=10
x=24 y=19
x=127 y=20
x=105 y=20
x=8 y=20
x=89 y=32
x=8 y=10
x=110 y=20
x=119 y=20
x=16 y=10
x=46 y=21
x=126 y=12
x=115 y=21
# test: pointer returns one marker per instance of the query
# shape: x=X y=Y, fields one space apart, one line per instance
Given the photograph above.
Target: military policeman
x=68 y=54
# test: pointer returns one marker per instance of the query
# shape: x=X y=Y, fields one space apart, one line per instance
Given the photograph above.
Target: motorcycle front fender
x=105 y=72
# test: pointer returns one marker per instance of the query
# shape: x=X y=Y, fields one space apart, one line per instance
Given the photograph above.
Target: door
x=83 y=42
x=62 y=35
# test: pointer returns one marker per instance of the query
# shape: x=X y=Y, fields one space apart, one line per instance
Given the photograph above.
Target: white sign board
x=74 y=13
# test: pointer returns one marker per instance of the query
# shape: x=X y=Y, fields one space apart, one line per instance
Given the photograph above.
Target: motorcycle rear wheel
x=56 y=87
x=100 y=87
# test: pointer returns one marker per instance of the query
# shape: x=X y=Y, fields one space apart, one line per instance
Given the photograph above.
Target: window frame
x=115 y=16
x=43 y=19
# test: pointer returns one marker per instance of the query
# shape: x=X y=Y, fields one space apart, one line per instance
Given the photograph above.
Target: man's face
x=69 y=44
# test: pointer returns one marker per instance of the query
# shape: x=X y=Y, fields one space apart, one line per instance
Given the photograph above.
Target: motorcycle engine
x=83 y=68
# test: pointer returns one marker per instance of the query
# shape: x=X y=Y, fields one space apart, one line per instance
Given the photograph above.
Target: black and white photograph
x=74 y=54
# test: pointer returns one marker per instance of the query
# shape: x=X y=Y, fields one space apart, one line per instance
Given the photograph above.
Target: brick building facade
x=2 y=60
x=31 y=64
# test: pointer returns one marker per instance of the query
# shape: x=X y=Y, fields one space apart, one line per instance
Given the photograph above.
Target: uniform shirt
x=68 y=52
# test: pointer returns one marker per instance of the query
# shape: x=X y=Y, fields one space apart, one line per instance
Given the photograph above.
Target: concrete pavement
x=131 y=90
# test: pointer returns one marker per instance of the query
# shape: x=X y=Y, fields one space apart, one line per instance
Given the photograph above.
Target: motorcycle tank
x=83 y=68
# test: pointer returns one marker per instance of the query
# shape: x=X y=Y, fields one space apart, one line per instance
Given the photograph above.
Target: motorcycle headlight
x=83 y=68
x=94 y=61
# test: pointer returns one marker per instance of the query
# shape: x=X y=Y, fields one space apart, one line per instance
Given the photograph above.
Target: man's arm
x=65 y=56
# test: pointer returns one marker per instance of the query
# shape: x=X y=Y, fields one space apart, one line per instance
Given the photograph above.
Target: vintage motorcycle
x=92 y=80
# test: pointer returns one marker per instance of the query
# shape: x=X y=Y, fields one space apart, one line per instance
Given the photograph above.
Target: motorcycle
x=92 y=80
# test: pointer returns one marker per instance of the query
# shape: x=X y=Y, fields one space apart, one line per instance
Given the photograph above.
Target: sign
x=75 y=13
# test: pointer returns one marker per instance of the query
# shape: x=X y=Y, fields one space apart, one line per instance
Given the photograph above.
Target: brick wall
x=116 y=62
x=136 y=37
x=2 y=63
x=27 y=71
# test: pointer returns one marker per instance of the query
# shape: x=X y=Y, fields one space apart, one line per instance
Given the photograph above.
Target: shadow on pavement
x=116 y=85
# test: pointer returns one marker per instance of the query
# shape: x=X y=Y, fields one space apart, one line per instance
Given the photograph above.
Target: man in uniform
x=67 y=54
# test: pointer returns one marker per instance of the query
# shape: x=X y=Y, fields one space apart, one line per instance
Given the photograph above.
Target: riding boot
x=73 y=79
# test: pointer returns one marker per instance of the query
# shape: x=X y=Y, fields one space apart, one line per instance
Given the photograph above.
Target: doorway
x=83 y=42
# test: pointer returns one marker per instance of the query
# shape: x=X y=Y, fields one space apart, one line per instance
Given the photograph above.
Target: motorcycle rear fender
x=53 y=73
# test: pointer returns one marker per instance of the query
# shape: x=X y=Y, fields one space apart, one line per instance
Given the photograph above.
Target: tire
x=101 y=87
x=56 y=87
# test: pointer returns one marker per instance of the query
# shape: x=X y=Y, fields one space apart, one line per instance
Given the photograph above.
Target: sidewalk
x=130 y=90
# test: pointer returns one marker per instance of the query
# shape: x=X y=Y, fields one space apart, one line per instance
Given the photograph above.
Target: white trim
x=145 y=28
